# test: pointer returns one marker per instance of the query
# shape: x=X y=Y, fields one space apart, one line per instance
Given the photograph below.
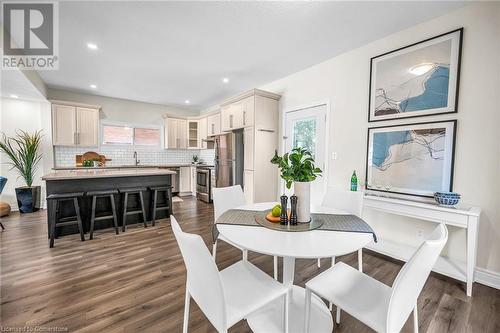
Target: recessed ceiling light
x=225 y=80
x=421 y=68
x=93 y=86
x=187 y=101
x=14 y=96
x=92 y=46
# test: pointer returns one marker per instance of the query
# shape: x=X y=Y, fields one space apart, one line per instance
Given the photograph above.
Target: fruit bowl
x=447 y=198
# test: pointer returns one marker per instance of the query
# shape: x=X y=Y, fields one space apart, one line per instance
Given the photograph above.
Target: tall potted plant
x=297 y=167
x=24 y=155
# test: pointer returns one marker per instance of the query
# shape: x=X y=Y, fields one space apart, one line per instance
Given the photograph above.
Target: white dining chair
x=226 y=198
x=228 y=296
x=350 y=202
x=377 y=305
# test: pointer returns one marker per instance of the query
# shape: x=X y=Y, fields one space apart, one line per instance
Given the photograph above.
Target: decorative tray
x=261 y=219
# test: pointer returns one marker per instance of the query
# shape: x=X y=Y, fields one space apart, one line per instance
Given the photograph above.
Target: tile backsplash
x=65 y=156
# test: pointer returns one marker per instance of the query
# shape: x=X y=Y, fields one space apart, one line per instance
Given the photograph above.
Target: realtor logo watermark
x=30 y=35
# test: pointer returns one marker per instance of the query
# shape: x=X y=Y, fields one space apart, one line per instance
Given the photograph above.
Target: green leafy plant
x=23 y=152
x=296 y=166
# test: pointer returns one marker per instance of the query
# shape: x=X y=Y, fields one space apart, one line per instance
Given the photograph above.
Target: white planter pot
x=303 y=192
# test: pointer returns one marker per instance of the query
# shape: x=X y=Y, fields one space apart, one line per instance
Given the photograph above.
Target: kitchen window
x=129 y=135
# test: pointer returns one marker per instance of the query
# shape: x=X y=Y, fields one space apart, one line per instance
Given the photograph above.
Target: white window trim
x=132 y=125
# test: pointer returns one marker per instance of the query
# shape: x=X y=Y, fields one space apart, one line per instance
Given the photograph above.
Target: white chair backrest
x=411 y=278
x=226 y=198
x=348 y=201
x=203 y=279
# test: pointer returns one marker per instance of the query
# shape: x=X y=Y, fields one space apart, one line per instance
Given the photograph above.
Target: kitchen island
x=81 y=180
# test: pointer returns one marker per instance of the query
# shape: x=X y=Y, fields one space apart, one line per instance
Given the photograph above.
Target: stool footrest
x=133 y=212
x=62 y=224
x=162 y=208
x=105 y=217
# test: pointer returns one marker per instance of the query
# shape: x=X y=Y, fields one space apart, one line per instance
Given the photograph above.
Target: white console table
x=462 y=217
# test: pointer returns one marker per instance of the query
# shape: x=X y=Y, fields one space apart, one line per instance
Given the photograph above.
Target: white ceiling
x=167 y=52
x=15 y=83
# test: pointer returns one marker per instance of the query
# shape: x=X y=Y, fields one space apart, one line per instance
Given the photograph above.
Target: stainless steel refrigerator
x=229 y=159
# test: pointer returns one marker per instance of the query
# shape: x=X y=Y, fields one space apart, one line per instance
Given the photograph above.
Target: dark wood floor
x=134 y=282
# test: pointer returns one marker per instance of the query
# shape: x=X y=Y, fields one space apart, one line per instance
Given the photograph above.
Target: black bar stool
x=102 y=194
x=56 y=221
x=126 y=192
x=154 y=201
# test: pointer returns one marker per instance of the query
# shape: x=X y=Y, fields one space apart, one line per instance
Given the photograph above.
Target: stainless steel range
x=204 y=182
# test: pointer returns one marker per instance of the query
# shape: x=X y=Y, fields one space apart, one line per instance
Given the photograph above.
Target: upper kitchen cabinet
x=193 y=132
x=176 y=136
x=213 y=124
x=75 y=125
x=240 y=111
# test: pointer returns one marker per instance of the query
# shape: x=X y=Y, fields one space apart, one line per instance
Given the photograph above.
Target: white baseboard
x=488 y=278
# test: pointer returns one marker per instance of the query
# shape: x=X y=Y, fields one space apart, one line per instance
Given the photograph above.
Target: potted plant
x=297 y=167
x=24 y=155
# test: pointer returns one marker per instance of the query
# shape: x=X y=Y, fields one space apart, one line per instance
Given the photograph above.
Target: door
x=87 y=122
x=63 y=125
x=306 y=128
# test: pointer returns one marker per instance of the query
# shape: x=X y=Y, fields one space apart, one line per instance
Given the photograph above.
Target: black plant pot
x=28 y=199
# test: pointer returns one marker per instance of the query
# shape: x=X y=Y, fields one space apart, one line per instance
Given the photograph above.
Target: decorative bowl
x=447 y=198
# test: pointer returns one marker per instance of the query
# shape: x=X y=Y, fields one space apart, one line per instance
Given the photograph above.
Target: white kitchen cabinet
x=185 y=180
x=87 y=127
x=74 y=125
x=193 y=134
x=257 y=112
x=175 y=133
x=214 y=124
x=193 y=180
x=248 y=186
x=248 y=150
x=202 y=132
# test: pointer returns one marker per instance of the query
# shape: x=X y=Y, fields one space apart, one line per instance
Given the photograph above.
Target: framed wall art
x=417 y=80
x=412 y=159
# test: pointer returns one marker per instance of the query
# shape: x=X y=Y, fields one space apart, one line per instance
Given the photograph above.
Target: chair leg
x=153 y=211
x=214 y=249
x=79 y=218
x=415 y=319
x=337 y=316
x=245 y=254
x=287 y=310
x=1 y=225
x=170 y=209
x=330 y=306
x=275 y=267
x=319 y=263
x=92 y=217
x=141 y=198
x=125 y=203
x=307 y=313
x=113 y=210
x=360 y=260
x=186 y=312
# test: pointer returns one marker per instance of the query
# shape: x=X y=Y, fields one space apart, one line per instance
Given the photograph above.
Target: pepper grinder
x=284 y=213
x=293 y=214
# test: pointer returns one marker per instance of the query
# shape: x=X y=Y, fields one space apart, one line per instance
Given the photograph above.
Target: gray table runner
x=332 y=222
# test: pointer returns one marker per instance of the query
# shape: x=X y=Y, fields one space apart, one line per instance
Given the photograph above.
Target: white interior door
x=306 y=128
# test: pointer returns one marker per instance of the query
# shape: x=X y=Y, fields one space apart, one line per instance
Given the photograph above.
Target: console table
x=462 y=217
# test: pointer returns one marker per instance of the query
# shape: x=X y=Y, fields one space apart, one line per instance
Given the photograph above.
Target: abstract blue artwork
x=417 y=80
x=414 y=159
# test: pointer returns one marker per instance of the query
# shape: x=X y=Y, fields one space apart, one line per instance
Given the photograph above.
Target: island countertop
x=105 y=173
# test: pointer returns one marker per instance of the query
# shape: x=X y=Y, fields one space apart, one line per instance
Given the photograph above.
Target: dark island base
x=103 y=204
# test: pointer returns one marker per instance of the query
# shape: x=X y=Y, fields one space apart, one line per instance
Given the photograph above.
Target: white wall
x=344 y=81
x=28 y=116
x=122 y=110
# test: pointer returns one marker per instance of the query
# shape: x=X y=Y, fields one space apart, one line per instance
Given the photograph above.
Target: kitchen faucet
x=135 y=158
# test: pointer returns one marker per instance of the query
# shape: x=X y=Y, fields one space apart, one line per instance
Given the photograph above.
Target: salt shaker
x=293 y=214
x=284 y=213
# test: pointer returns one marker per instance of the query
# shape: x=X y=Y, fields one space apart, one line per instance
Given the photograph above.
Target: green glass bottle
x=354 y=181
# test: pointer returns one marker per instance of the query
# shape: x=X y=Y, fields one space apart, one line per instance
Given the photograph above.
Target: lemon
x=276 y=211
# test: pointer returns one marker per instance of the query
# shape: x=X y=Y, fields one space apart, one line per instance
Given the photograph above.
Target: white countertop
x=105 y=173
x=128 y=166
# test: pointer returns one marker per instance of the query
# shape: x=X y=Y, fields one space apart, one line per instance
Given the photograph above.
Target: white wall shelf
x=461 y=216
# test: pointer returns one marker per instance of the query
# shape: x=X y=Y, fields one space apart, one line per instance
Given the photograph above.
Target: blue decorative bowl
x=447 y=198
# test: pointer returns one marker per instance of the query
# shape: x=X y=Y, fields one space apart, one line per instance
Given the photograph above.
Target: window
x=130 y=135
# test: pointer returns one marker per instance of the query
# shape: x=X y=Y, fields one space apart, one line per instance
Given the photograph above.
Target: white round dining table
x=290 y=246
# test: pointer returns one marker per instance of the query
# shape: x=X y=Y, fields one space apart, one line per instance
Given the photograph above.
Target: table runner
x=332 y=222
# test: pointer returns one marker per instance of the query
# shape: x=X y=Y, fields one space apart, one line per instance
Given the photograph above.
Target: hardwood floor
x=134 y=282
